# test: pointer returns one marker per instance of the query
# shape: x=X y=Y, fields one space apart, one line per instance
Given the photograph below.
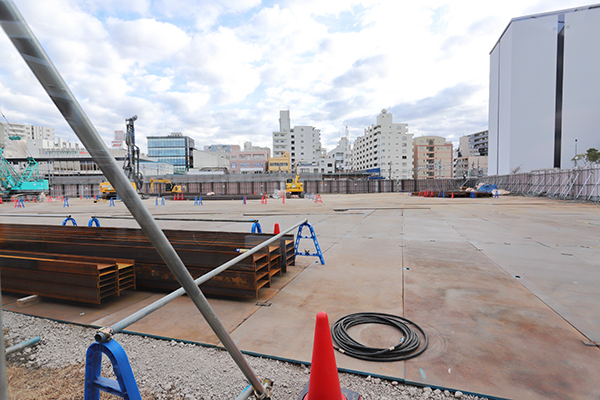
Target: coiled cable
x=407 y=348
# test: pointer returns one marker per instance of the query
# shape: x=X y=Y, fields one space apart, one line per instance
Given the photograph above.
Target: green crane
x=13 y=182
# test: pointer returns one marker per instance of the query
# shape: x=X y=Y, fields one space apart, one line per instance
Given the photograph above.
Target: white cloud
x=220 y=70
x=146 y=40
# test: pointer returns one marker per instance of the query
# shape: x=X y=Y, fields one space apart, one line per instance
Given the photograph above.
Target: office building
x=251 y=160
x=174 y=149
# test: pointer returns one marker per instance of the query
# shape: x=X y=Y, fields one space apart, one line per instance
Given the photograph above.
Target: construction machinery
x=131 y=165
x=170 y=187
x=293 y=185
x=13 y=182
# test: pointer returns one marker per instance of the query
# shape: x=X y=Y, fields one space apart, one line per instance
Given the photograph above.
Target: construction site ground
x=507 y=289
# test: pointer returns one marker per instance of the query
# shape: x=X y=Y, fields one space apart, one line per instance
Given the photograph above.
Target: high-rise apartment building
x=174 y=149
x=433 y=157
x=472 y=155
x=385 y=148
x=303 y=143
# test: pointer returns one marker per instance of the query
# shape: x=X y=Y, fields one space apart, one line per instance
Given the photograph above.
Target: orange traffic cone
x=324 y=383
x=276 y=229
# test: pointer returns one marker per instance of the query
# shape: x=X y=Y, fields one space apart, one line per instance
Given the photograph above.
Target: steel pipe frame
x=22 y=345
x=103 y=335
x=40 y=64
x=3 y=384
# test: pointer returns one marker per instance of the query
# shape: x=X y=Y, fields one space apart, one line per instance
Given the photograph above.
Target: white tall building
x=303 y=143
x=544 y=90
x=342 y=155
x=385 y=148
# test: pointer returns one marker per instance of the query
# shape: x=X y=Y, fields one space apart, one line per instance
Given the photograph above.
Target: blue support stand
x=66 y=203
x=69 y=218
x=312 y=236
x=94 y=221
x=198 y=201
x=496 y=195
x=112 y=202
x=125 y=385
x=256 y=228
x=472 y=195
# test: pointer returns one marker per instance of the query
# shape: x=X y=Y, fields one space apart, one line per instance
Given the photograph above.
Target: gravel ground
x=175 y=370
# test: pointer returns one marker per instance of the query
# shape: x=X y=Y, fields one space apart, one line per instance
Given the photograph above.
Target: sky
x=220 y=71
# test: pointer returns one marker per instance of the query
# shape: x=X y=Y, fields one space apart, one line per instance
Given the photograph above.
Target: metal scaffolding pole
x=3 y=385
x=105 y=333
x=40 y=64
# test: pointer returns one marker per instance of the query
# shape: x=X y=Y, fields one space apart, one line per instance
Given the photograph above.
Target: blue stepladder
x=69 y=218
x=125 y=385
x=94 y=221
x=312 y=236
x=256 y=228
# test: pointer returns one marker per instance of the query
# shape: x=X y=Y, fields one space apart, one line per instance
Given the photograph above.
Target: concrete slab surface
x=506 y=289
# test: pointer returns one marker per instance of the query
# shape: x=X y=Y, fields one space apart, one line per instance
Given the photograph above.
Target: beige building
x=279 y=164
x=433 y=157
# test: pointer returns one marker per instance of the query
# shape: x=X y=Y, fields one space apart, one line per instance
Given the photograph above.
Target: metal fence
x=581 y=183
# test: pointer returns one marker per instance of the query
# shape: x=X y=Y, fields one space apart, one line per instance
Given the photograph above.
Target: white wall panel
x=533 y=89
x=581 y=104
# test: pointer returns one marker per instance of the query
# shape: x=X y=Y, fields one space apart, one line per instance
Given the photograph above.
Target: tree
x=592 y=155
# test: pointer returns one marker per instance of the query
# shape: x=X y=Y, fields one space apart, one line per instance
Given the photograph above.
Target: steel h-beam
x=40 y=64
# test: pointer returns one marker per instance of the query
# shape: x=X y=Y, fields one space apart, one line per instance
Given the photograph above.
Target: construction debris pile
x=88 y=264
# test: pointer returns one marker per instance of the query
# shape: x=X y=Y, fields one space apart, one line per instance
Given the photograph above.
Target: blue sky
x=220 y=70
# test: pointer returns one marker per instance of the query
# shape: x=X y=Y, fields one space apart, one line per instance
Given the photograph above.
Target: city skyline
x=222 y=71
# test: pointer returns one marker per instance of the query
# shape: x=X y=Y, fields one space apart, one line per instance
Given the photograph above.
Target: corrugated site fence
x=579 y=184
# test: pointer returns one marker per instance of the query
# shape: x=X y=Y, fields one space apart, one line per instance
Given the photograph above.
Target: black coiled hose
x=407 y=348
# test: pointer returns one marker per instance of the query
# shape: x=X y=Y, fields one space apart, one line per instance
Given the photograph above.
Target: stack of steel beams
x=61 y=276
x=200 y=251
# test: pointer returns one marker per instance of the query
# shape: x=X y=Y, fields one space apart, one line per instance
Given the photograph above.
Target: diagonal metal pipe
x=40 y=64
x=3 y=385
x=105 y=333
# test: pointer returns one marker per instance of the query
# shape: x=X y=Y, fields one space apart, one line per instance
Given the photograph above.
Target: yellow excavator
x=294 y=186
x=170 y=187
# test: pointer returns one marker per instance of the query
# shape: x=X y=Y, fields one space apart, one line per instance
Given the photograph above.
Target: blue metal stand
x=93 y=221
x=69 y=218
x=112 y=202
x=198 y=201
x=256 y=228
x=472 y=195
x=66 y=203
x=125 y=385
x=312 y=236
